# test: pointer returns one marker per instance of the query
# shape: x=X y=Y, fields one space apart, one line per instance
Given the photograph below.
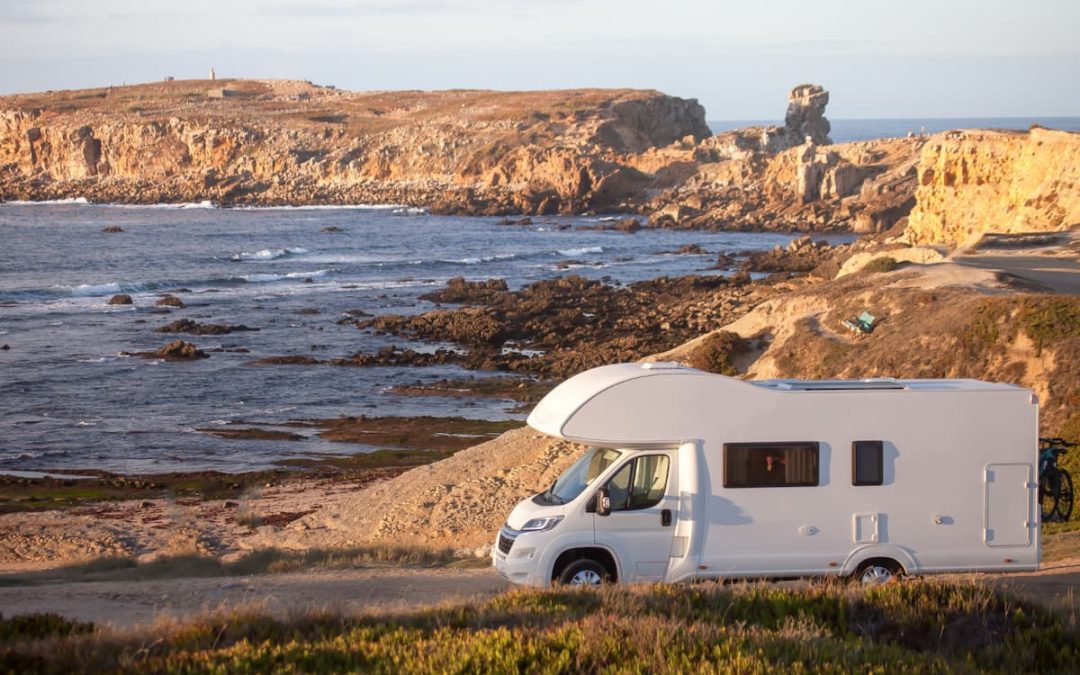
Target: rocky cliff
x=974 y=182
x=274 y=142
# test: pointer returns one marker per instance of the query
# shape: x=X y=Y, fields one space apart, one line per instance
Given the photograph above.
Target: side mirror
x=603 y=502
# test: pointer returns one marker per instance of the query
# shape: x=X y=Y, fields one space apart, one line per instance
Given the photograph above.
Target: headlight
x=541 y=524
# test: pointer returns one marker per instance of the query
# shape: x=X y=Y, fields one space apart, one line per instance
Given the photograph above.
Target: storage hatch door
x=1008 y=514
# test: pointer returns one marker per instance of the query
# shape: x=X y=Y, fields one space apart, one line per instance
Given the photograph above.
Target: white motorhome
x=693 y=475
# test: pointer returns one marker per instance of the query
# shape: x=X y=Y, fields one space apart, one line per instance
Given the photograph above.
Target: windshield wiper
x=550 y=496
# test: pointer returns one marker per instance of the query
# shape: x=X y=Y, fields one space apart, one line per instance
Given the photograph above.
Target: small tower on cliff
x=213 y=75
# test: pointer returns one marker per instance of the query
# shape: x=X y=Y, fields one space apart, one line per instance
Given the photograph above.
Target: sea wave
x=479 y=260
x=571 y=252
x=47 y=202
x=324 y=207
x=263 y=278
x=266 y=254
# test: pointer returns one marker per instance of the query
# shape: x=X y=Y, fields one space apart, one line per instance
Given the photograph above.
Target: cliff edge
x=974 y=182
x=285 y=142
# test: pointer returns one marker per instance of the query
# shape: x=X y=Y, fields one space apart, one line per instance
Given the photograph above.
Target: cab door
x=644 y=504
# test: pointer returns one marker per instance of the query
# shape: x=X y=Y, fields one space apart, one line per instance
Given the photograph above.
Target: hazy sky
x=910 y=58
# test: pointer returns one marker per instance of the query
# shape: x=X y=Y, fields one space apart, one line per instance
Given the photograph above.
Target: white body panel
x=958 y=490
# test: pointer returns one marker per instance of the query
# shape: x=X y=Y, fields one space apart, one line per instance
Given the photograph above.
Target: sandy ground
x=458 y=503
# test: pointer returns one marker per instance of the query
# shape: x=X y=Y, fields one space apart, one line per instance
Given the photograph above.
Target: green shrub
x=717 y=353
x=882 y=264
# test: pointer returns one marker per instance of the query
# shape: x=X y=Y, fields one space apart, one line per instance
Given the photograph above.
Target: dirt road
x=132 y=603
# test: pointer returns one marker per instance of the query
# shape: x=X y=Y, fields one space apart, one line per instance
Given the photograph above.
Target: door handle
x=665 y=517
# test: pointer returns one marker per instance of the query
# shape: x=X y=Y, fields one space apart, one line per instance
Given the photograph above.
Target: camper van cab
x=691 y=475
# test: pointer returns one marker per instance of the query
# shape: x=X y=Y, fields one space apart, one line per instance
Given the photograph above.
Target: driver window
x=619 y=487
x=639 y=484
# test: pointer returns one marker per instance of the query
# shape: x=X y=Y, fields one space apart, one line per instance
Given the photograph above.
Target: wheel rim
x=876 y=574
x=585 y=578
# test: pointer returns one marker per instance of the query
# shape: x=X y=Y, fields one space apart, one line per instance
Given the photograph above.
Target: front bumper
x=513 y=560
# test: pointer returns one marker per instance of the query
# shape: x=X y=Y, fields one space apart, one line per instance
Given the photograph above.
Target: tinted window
x=867 y=463
x=640 y=484
x=770 y=464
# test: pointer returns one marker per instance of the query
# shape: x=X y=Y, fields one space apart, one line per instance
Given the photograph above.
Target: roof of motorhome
x=556 y=409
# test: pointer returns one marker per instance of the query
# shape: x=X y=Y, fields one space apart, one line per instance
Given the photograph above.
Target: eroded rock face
x=454 y=152
x=974 y=182
x=805 y=116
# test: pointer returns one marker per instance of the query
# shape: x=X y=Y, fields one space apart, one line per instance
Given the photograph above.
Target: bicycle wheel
x=1064 y=504
x=1047 y=496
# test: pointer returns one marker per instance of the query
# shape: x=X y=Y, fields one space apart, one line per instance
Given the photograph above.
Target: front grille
x=505 y=543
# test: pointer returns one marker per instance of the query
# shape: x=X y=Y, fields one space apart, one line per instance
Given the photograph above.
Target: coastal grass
x=917 y=626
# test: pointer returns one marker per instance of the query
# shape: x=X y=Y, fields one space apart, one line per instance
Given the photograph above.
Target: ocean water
x=70 y=399
x=847 y=131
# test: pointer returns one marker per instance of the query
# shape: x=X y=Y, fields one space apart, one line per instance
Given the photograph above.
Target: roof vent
x=662 y=365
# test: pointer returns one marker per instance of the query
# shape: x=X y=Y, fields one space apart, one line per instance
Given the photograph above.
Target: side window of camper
x=867 y=463
x=640 y=484
x=755 y=465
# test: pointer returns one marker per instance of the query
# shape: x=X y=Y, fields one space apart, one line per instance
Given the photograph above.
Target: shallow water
x=70 y=400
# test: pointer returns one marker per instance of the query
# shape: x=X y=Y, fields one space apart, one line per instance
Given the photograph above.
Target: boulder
x=176 y=351
x=120 y=299
x=170 y=300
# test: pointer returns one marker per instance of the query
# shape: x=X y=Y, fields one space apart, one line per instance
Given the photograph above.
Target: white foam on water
x=570 y=252
x=267 y=254
x=264 y=278
x=50 y=202
x=324 y=207
x=87 y=290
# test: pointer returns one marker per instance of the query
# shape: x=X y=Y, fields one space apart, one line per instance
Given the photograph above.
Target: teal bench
x=862 y=324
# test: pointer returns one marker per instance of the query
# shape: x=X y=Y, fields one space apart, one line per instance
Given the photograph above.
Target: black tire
x=585 y=572
x=878 y=571
x=1064 y=506
x=1049 y=483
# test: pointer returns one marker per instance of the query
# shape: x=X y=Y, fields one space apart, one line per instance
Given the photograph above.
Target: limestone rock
x=805 y=116
x=974 y=182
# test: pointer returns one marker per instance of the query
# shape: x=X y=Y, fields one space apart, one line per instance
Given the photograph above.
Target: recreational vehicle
x=692 y=475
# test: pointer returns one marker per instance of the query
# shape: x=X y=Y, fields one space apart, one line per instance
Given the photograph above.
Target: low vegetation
x=717 y=353
x=918 y=626
x=882 y=264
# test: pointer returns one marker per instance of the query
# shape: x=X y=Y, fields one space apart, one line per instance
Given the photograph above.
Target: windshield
x=581 y=474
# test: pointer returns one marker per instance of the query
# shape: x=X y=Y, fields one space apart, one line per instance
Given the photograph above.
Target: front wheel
x=878 y=571
x=1064 y=505
x=584 y=573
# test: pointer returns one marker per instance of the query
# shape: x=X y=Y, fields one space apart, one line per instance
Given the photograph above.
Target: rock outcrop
x=974 y=182
x=805 y=118
x=786 y=178
x=291 y=142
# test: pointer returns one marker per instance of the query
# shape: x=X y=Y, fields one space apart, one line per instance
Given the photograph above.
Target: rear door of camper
x=644 y=503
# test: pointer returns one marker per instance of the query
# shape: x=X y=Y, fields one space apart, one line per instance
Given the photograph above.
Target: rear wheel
x=584 y=573
x=1064 y=505
x=878 y=571
x=1049 y=487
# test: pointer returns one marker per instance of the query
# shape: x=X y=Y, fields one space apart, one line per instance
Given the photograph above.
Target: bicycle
x=1055 y=483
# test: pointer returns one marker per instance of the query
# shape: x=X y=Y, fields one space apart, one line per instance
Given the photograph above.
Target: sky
x=913 y=58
